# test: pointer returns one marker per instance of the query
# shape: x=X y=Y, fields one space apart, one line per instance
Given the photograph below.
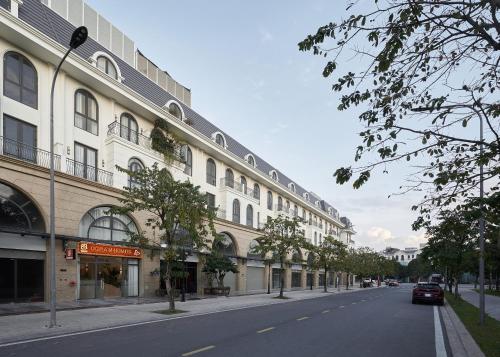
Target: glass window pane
x=29 y=76
x=91 y=157
x=112 y=70
x=29 y=97
x=80 y=102
x=79 y=153
x=12 y=68
x=92 y=126
x=101 y=63
x=12 y=90
x=79 y=121
x=92 y=108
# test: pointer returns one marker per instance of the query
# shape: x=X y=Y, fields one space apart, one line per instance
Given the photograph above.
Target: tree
x=419 y=268
x=329 y=255
x=282 y=236
x=428 y=70
x=218 y=265
x=452 y=244
x=348 y=264
x=176 y=210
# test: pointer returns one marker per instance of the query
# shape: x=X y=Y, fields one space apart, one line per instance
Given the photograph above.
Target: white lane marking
x=341 y=307
x=198 y=350
x=46 y=338
x=353 y=303
x=302 y=318
x=363 y=300
x=326 y=312
x=438 y=335
x=265 y=330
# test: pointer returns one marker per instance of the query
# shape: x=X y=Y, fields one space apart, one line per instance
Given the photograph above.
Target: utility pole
x=481 y=229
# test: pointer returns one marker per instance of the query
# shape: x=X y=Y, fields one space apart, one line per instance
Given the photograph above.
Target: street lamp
x=78 y=37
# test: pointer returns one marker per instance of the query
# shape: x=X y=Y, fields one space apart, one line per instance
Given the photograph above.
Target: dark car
x=427 y=292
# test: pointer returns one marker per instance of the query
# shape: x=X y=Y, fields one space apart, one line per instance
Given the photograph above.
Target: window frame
x=22 y=60
x=131 y=162
x=130 y=119
x=188 y=165
x=107 y=64
x=236 y=217
x=85 y=116
x=249 y=219
x=85 y=162
x=211 y=179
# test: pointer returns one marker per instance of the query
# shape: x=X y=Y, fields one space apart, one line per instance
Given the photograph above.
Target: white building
x=107 y=99
x=403 y=256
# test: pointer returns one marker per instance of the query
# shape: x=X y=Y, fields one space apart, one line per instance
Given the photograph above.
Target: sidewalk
x=492 y=303
x=34 y=325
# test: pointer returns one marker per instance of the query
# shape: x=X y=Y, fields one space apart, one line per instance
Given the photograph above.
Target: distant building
x=402 y=256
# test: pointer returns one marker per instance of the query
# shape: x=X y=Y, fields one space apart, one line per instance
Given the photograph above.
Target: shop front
x=107 y=271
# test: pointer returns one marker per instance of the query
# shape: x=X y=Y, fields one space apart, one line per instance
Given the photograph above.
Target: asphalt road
x=378 y=322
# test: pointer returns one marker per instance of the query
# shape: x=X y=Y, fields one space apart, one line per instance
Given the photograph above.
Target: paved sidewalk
x=492 y=302
x=34 y=325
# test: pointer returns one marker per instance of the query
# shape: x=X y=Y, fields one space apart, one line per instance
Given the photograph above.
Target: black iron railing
x=18 y=150
x=227 y=182
x=88 y=172
x=115 y=128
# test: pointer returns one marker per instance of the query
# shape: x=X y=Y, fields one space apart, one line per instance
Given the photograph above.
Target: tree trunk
x=347 y=281
x=325 y=283
x=170 y=291
x=282 y=279
x=456 y=288
x=491 y=280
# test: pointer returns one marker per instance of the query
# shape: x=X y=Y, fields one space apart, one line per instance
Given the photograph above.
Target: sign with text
x=109 y=250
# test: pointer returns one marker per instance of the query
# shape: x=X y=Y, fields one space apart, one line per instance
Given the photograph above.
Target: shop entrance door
x=100 y=277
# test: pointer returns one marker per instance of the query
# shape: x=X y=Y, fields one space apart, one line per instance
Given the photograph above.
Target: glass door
x=109 y=277
x=88 y=283
x=19 y=139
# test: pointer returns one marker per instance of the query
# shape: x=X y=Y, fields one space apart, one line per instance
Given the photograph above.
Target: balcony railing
x=115 y=128
x=237 y=186
x=18 y=150
x=282 y=209
x=88 y=172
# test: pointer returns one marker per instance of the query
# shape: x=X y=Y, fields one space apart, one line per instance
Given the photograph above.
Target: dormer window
x=175 y=110
x=291 y=186
x=219 y=139
x=274 y=175
x=306 y=196
x=105 y=65
x=250 y=159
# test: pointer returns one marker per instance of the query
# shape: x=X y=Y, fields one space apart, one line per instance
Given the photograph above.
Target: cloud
x=379 y=238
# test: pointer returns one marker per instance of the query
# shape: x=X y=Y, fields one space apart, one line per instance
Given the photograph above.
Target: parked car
x=367 y=283
x=436 y=278
x=393 y=283
x=427 y=292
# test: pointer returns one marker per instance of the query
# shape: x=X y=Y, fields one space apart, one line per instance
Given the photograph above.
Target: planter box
x=217 y=291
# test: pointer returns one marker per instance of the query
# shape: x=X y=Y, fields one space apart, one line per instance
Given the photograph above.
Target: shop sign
x=109 y=250
x=69 y=254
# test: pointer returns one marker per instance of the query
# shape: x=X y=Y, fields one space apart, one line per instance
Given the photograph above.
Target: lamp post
x=481 y=228
x=78 y=37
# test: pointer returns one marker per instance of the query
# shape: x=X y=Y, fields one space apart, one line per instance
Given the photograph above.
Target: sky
x=241 y=61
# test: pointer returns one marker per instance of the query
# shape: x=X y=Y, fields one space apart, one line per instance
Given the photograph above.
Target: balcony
x=20 y=151
x=88 y=172
x=238 y=187
x=116 y=129
x=282 y=210
x=221 y=213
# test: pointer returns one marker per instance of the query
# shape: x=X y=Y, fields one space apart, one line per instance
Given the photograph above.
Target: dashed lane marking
x=265 y=330
x=341 y=307
x=203 y=349
x=302 y=318
x=326 y=312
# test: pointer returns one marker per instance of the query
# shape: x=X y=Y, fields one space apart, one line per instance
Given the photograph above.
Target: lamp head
x=78 y=37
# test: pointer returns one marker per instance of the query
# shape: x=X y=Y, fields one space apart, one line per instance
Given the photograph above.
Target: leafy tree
x=419 y=268
x=177 y=214
x=218 y=265
x=329 y=255
x=428 y=69
x=348 y=264
x=452 y=244
x=281 y=237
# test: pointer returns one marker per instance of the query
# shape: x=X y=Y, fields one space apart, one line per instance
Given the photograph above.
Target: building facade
x=107 y=97
x=403 y=256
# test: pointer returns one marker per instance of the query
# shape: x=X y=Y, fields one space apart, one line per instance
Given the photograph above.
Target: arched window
x=280 y=203
x=306 y=196
x=219 y=139
x=18 y=212
x=310 y=218
x=287 y=206
x=99 y=224
x=211 y=172
x=175 y=110
x=250 y=215
x=252 y=250
x=274 y=175
x=296 y=257
x=243 y=182
x=304 y=214
x=128 y=128
x=315 y=238
x=105 y=65
x=188 y=165
x=251 y=160
x=295 y=211
x=229 y=178
x=269 y=200
x=224 y=244
x=134 y=165
x=236 y=211
x=86 y=111
x=292 y=186
x=20 y=79
x=256 y=191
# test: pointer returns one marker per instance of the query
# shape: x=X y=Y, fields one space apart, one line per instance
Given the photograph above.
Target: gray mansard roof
x=51 y=24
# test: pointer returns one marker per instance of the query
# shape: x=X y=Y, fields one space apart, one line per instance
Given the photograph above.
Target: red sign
x=109 y=250
x=69 y=254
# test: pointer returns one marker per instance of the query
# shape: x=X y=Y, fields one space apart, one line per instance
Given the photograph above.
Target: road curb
x=460 y=340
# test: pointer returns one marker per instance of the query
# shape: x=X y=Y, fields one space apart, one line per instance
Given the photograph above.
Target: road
x=378 y=322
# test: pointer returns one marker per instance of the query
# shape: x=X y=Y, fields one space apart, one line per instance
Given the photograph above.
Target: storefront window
x=18 y=212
